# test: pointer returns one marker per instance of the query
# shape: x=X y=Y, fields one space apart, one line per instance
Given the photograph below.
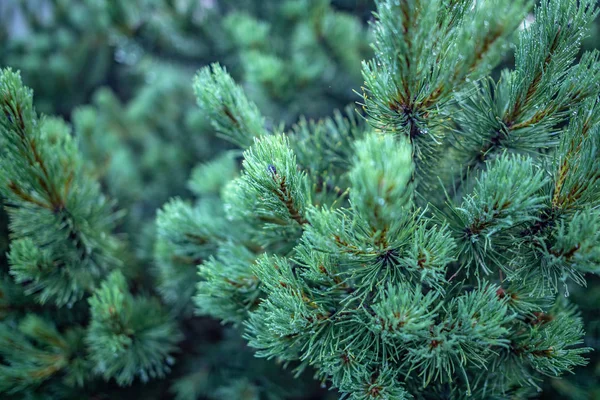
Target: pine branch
x=410 y=84
x=523 y=110
x=232 y=115
x=60 y=221
x=129 y=336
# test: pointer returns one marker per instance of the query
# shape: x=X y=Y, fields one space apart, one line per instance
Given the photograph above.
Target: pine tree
x=431 y=245
x=429 y=250
x=284 y=51
x=63 y=48
x=65 y=264
x=135 y=141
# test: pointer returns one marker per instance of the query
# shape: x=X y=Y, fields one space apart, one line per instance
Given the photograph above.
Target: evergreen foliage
x=432 y=259
x=286 y=52
x=129 y=336
x=138 y=140
x=44 y=184
x=434 y=244
x=62 y=248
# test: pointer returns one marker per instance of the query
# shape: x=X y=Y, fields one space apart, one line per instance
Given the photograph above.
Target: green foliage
x=406 y=281
x=138 y=140
x=508 y=194
x=141 y=149
x=522 y=111
x=296 y=57
x=182 y=244
x=234 y=290
x=208 y=178
x=430 y=246
x=379 y=180
x=129 y=336
x=423 y=54
x=62 y=246
x=278 y=192
x=229 y=110
x=44 y=182
x=52 y=43
x=34 y=351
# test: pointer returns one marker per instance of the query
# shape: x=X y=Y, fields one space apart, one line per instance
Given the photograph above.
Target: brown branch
x=45 y=372
x=512 y=117
x=488 y=41
x=231 y=117
x=26 y=197
x=284 y=196
x=569 y=254
x=574 y=148
x=34 y=158
x=537 y=117
x=198 y=239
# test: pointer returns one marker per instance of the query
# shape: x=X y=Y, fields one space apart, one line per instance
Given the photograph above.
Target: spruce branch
x=228 y=289
x=576 y=174
x=387 y=292
x=557 y=238
x=186 y=237
x=35 y=351
x=577 y=243
x=535 y=344
x=380 y=181
x=334 y=139
x=278 y=192
x=505 y=196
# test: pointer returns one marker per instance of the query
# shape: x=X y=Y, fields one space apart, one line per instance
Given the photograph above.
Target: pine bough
x=67 y=313
x=428 y=251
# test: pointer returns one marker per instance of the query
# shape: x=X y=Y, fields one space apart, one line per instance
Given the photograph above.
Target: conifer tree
x=135 y=141
x=69 y=317
x=284 y=51
x=63 y=48
x=430 y=245
x=77 y=319
x=428 y=251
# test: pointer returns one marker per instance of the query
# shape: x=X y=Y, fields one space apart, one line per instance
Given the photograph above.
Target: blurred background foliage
x=121 y=73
